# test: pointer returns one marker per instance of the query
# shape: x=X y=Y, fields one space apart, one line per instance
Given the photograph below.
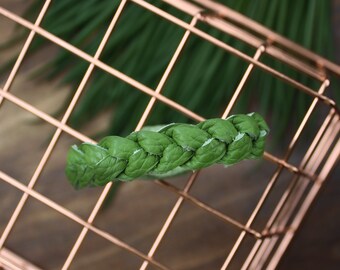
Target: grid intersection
x=285 y=218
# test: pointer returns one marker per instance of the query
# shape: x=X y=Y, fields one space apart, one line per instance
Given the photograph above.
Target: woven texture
x=171 y=150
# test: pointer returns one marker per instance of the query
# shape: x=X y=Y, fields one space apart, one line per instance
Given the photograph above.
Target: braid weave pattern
x=172 y=149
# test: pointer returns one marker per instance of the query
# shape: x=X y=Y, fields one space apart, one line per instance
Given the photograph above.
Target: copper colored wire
x=236 y=52
x=271 y=243
x=194 y=176
x=275 y=177
x=67 y=213
x=24 y=49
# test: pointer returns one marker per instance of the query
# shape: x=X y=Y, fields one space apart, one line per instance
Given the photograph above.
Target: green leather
x=172 y=149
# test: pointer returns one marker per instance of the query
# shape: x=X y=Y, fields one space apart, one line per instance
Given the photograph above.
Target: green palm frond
x=204 y=77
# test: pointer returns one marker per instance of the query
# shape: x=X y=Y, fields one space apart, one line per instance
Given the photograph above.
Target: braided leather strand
x=172 y=149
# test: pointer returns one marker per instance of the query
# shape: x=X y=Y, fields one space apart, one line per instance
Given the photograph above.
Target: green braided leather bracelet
x=172 y=149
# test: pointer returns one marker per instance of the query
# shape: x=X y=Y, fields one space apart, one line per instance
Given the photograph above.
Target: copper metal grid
x=318 y=161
